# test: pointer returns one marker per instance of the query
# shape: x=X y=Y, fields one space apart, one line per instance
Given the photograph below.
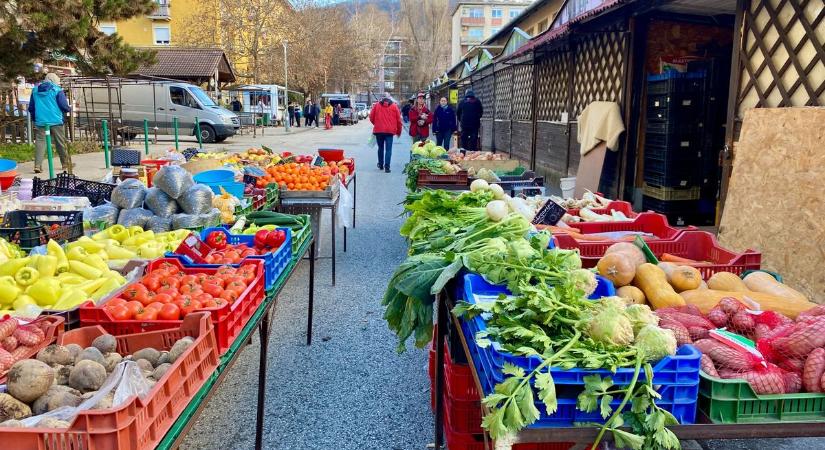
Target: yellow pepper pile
x=122 y=244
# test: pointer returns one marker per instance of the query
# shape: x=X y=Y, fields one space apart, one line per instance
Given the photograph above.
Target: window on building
x=108 y=29
x=475 y=32
x=476 y=13
x=494 y=30
x=497 y=13
x=161 y=35
x=542 y=26
x=514 y=13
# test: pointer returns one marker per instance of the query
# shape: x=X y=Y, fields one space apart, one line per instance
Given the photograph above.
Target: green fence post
x=175 y=126
x=49 y=154
x=146 y=135
x=106 y=142
x=198 y=132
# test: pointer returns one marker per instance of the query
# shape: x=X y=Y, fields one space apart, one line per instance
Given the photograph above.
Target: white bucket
x=568 y=187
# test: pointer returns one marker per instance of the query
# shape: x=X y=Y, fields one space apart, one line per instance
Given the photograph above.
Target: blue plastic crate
x=678 y=399
x=683 y=368
x=275 y=263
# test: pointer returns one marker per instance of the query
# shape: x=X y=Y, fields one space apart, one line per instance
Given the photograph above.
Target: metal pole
x=286 y=91
x=146 y=135
x=106 y=142
x=198 y=132
x=49 y=154
x=175 y=126
x=28 y=128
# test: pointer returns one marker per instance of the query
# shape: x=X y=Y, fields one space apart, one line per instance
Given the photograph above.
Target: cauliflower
x=610 y=325
x=640 y=315
x=584 y=280
x=655 y=343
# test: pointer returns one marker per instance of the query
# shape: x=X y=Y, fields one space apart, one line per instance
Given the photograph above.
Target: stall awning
x=190 y=64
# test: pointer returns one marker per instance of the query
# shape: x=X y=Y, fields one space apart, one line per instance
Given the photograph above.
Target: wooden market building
x=753 y=54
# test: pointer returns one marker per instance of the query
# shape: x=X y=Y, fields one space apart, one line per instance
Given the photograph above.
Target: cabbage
x=520 y=248
x=655 y=343
x=641 y=315
x=584 y=280
x=610 y=325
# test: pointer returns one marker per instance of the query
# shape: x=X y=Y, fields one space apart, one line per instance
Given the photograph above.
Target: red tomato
x=182 y=298
x=172 y=282
x=224 y=270
x=236 y=286
x=248 y=252
x=166 y=268
x=213 y=289
x=168 y=290
x=202 y=297
x=200 y=277
x=209 y=304
x=229 y=295
x=188 y=279
x=133 y=291
x=115 y=302
x=119 y=312
x=154 y=305
x=247 y=273
x=132 y=307
x=163 y=298
x=147 y=314
x=188 y=306
x=169 y=311
x=152 y=281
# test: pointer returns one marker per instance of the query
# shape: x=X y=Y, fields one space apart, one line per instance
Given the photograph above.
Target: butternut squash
x=685 y=278
x=617 y=268
x=631 y=294
x=764 y=282
x=668 y=268
x=653 y=282
x=635 y=254
x=707 y=299
x=726 y=281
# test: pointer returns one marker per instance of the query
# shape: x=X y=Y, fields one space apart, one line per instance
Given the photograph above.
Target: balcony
x=495 y=22
x=472 y=20
x=162 y=10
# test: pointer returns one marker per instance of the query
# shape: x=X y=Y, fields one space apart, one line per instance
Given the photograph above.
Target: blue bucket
x=7 y=164
x=231 y=187
x=215 y=176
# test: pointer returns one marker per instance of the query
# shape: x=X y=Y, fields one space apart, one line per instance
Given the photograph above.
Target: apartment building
x=156 y=29
x=475 y=21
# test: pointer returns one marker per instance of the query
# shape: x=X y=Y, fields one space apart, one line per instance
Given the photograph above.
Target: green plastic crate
x=300 y=236
x=733 y=401
x=272 y=196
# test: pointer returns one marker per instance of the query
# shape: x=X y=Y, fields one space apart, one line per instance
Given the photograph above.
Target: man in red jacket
x=420 y=119
x=386 y=120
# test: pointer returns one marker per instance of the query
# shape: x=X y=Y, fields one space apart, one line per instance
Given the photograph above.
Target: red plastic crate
x=459 y=379
x=475 y=441
x=425 y=177
x=53 y=329
x=692 y=244
x=647 y=222
x=616 y=205
x=138 y=423
x=229 y=319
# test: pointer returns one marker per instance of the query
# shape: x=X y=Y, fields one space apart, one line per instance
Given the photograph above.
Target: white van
x=161 y=102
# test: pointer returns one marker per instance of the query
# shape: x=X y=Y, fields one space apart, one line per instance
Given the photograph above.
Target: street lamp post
x=286 y=91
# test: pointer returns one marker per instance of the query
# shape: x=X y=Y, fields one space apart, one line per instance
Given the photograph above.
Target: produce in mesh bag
x=727 y=357
x=159 y=224
x=813 y=370
x=211 y=218
x=160 y=203
x=173 y=180
x=802 y=339
x=766 y=380
x=186 y=221
x=196 y=200
x=129 y=194
x=707 y=366
x=134 y=217
x=106 y=213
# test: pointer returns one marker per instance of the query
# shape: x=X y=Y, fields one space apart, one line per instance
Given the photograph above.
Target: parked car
x=349 y=114
x=363 y=111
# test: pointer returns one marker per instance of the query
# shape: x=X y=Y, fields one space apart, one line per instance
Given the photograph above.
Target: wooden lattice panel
x=782 y=55
x=552 y=88
x=503 y=93
x=522 y=101
x=483 y=86
x=599 y=69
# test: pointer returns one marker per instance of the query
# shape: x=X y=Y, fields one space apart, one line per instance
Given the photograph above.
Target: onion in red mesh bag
x=814 y=368
x=725 y=356
x=805 y=338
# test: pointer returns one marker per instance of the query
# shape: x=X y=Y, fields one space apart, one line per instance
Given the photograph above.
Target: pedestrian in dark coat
x=444 y=123
x=420 y=120
x=469 y=114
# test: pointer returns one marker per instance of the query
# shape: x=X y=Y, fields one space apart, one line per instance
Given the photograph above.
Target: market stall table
x=261 y=320
x=313 y=206
x=703 y=429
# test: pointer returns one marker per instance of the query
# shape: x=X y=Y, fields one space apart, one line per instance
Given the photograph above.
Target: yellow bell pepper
x=45 y=291
x=116 y=232
x=109 y=285
x=12 y=266
x=89 y=287
x=22 y=301
x=115 y=275
x=97 y=262
x=70 y=298
x=47 y=265
x=70 y=278
x=120 y=253
x=90 y=245
x=26 y=276
x=54 y=249
x=149 y=250
x=135 y=230
x=84 y=270
x=8 y=290
x=77 y=254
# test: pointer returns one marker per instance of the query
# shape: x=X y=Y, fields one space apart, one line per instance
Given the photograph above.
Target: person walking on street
x=308 y=113
x=298 y=114
x=328 y=116
x=420 y=120
x=291 y=112
x=469 y=114
x=336 y=115
x=444 y=123
x=236 y=105
x=405 y=111
x=316 y=112
x=47 y=107
x=386 y=122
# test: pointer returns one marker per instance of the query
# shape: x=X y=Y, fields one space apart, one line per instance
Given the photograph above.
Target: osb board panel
x=776 y=198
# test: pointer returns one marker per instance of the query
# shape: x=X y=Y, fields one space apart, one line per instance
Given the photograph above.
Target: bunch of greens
x=434 y=166
x=436 y=210
x=565 y=330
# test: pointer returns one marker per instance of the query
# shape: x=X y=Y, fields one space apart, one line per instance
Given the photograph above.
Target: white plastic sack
x=344 y=206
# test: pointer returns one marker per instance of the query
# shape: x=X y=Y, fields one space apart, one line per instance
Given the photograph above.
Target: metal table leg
x=259 y=423
x=332 y=245
x=354 y=188
x=311 y=291
x=345 y=239
x=442 y=324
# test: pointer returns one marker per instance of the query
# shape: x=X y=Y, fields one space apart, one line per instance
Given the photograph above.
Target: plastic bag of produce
x=186 y=221
x=129 y=194
x=159 y=224
x=196 y=200
x=106 y=213
x=134 y=217
x=160 y=203
x=211 y=218
x=173 y=180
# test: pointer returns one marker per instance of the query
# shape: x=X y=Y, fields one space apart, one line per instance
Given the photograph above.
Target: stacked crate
x=674 y=140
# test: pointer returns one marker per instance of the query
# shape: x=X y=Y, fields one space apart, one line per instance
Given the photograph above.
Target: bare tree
x=426 y=27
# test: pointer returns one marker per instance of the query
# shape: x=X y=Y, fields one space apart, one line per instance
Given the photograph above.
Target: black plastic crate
x=671 y=173
x=66 y=184
x=675 y=107
x=122 y=156
x=681 y=212
x=673 y=127
x=676 y=82
x=687 y=144
x=29 y=229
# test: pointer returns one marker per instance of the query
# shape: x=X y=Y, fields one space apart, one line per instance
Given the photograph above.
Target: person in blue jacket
x=47 y=107
x=444 y=123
